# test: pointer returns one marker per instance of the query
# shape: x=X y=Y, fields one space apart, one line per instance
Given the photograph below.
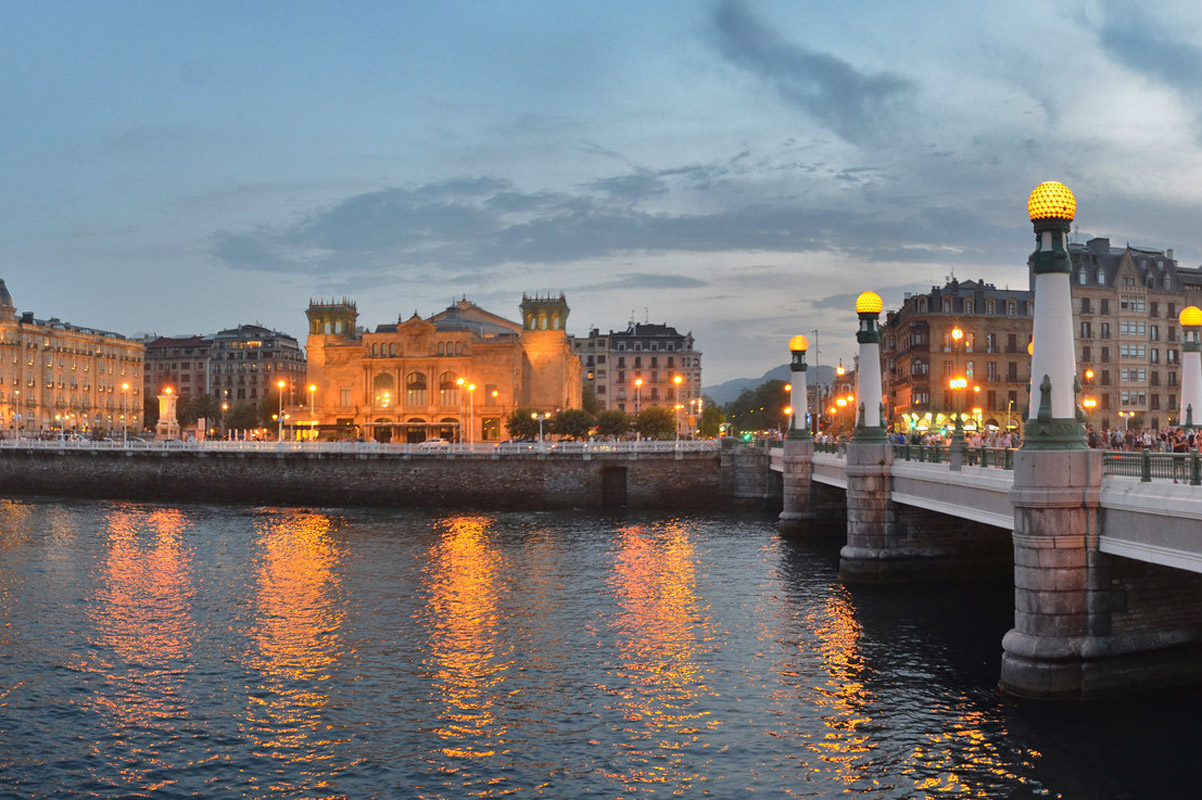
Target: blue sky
x=738 y=169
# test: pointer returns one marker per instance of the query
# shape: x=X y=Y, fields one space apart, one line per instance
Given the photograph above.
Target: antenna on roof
x=646 y=316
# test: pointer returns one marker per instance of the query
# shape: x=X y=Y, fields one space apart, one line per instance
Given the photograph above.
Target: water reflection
x=142 y=641
x=469 y=656
x=296 y=639
x=660 y=697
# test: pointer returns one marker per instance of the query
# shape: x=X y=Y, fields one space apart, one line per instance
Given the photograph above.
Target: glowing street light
x=471 y=407
x=279 y=436
x=124 y=411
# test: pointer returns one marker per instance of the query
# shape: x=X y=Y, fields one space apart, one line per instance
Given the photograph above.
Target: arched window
x=1082 y=276
x=392 y=348
x=327 y=329
x=442 y=349
x=383 y=391
x=415 y=389
x=375 y=349
x=1101 y=277
x=448 y=389
x=922 y=305
x=449 y=429
x=458 y=348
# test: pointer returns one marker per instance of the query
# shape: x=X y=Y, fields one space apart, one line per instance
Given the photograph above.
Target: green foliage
x=520 y=424
x=573 y=423
x=656 y=423
x=588 y=401
x=204 y=406
x=150 y=413
x=761 y=408
x=243 y=416
x=712 y=418
x=612 y=422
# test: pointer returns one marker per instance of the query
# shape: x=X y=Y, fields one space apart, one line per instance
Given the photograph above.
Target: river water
x=153 y=651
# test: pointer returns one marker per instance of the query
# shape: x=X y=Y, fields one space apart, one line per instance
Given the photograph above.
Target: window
x=1105 y=330
x=1011 y=308
x=1101 y=277
x=344 y=396
x=1086 y=330
x=1086 y=352
x=1105 y=305
x=1082 y=276
x=415 y=389
x=448 y=389
x=990 y=307
x=968 y=307
x=1085 y=309
x=947 y=305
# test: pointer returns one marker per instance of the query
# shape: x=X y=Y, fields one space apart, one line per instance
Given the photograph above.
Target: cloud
x=647 y=281
x=858 y=107
x=1135 y=40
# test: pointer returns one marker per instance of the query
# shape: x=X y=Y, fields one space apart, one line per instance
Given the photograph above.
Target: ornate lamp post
x=124 y=411
x=1191 y=368
x=1057 y=421
x=870 y=423
x=798 y=346
x=471 y=410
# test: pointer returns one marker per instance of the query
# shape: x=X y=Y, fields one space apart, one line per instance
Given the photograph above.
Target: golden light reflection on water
x=296 y=639
x=956 y=760
x=842 y=698
x=470 y=663
x=143 y=637
x=657 y=632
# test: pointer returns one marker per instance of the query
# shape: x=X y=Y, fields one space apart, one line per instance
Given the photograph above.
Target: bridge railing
x=364 y=448
x=1146 y=465
x=995 y=457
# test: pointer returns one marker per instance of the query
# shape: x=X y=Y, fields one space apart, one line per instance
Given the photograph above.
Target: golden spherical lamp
x=1191 y=316
x=1051 y=200
x=1031 y=347
x=957 y=333
x=869 y=303
x=799 y=344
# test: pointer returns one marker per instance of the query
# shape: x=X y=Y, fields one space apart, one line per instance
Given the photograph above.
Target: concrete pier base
x=798 y=503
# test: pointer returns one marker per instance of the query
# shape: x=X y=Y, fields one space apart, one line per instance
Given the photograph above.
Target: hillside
x=724 y=393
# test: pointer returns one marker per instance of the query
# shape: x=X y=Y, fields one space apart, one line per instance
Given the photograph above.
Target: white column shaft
x=1054 y=353
x=868 y=384
x=1191 y=385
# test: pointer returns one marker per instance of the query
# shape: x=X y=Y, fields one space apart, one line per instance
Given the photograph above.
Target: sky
x=734 y=168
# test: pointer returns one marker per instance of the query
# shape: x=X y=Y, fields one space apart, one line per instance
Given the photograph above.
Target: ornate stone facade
x=413 y=380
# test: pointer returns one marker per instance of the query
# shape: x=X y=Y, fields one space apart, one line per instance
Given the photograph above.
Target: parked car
x=434 y=444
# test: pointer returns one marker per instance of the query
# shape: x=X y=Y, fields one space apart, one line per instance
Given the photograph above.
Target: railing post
x=1195 y=469
x=935 y=456
x=1145 y=469
x=1009 y=458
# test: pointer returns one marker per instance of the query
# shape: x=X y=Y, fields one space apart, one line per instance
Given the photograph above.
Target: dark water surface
x=150 y=651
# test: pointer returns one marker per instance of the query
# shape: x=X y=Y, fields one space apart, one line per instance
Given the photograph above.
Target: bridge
x=1104 y=548
x=1150 y=503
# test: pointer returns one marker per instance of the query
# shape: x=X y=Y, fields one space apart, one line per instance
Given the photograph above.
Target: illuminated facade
x=920 y=354
x=454 y=375
x=58 y=377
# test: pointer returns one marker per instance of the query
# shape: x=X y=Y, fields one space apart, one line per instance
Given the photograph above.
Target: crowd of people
x=1164 y=440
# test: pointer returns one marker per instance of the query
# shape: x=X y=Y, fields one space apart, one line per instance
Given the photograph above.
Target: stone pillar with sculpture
x=168 y=425
x=798 y=451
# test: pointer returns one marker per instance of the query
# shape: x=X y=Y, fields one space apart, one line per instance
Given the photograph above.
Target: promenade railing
x=532 y=448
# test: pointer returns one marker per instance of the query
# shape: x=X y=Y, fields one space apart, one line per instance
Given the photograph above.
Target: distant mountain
x=724 y=393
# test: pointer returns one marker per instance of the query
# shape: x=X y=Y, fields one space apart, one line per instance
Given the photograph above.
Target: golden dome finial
x=869 y=303
x=799 y=344
x=1051 y=200
x=1191 y=316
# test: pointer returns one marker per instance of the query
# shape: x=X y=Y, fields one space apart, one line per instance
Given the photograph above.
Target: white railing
x=371 y=447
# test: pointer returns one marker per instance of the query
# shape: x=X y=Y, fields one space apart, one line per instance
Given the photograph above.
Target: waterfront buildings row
x=1125 y=305
x=454 y=375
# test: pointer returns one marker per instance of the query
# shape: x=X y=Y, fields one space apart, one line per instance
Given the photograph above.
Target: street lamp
x=471 y=411
x=279 y=436
x=224 y=408
x=540 y=418
x=678 y=380
x=124 y=411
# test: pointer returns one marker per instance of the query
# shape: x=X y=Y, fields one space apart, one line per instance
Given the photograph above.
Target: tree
x=656 y=423
x=612 y=422
x=521 y=425
x=207 y=407
x=243 y=416
x=712 y=418
x=761 y=408
x=574 y=423
x=588 y=400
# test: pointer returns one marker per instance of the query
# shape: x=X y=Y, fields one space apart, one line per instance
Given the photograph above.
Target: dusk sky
x=738 y=169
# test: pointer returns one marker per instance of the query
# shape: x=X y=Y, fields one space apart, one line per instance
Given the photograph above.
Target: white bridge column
x=1190 y=415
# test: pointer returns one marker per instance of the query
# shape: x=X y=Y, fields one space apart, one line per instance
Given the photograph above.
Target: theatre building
x=454 y=375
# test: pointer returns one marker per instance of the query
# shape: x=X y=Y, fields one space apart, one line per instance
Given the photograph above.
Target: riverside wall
x=690 y=481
